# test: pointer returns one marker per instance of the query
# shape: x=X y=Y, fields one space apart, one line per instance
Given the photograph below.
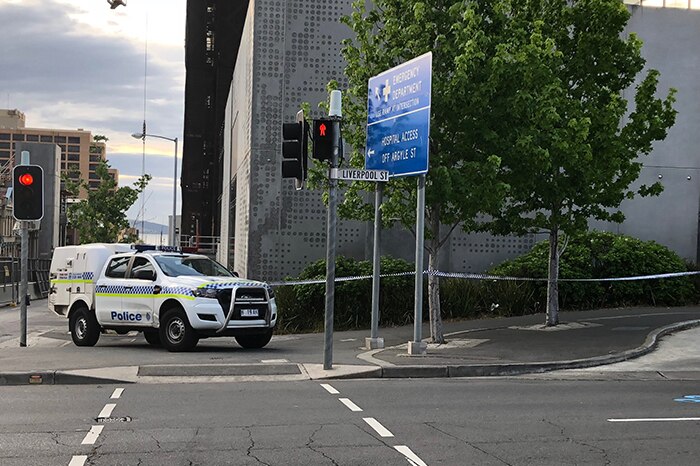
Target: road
x=367 y=422
x=636 y=412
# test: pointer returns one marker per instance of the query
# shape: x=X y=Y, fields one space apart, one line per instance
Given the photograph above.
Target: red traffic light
x=27 y=179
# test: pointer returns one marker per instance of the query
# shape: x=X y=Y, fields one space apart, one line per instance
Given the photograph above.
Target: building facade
x=289 y=50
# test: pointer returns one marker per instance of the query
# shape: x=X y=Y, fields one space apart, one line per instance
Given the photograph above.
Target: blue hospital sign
x=398 y=118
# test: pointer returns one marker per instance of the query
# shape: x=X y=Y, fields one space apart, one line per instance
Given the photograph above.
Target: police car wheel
x=176 y=333
x=84 y=328
x=254 y=341
x=152 y=337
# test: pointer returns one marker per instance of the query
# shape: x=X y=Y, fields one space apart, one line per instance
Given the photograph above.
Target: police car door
x=109 y=290
x=138 y=299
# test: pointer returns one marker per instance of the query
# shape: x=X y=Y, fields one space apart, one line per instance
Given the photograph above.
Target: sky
x=70 y=64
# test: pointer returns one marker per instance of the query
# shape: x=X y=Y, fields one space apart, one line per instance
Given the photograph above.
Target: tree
x=569 y=145
x=461 y=181
x=101 y=217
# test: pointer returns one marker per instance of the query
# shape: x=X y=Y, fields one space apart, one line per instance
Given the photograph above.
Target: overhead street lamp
x=171 y=230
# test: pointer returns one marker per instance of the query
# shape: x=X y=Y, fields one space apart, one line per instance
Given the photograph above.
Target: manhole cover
x=109 y=420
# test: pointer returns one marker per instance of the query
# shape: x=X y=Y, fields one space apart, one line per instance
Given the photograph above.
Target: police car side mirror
x=235 y=274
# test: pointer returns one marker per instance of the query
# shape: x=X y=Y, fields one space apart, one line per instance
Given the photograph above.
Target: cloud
x=70 y=64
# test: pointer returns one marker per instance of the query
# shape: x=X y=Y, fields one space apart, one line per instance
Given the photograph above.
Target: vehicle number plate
x=249 y=312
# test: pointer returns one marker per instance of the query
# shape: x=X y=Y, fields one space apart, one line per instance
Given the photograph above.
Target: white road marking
x=117 y=393
x=656 y=419
x=107 y=410
x=78 y=460
x=91 y=436
x=348 y=339
x=273 y=361
x=330 y=389
x=410 y=456
x=380 y=429
x=352 y=406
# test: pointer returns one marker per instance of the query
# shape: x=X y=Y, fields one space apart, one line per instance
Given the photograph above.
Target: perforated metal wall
x=295 y=49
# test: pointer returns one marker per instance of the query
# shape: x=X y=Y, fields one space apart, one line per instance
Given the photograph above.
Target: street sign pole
x=374 y=342
x=335 y=113
x=417 y=346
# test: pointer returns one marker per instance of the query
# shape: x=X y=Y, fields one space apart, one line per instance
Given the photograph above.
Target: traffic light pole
x=24 y=259
x=335 y=114
x=23 y=263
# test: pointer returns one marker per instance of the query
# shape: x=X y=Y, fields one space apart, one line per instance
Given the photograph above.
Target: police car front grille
x=246 y=298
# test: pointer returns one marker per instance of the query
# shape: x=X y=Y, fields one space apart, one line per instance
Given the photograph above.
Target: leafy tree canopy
x=101 y=217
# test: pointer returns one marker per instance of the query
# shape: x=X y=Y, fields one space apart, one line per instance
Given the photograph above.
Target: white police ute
x=175 y=299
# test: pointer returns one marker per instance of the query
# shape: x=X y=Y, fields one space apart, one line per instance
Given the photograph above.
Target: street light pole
x=171 y=228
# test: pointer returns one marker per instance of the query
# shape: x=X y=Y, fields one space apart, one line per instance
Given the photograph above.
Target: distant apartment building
x=80 y=155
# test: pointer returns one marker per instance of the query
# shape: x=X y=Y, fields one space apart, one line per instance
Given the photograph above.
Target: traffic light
x=323 y=139
x=295 y=150
x=28 y=192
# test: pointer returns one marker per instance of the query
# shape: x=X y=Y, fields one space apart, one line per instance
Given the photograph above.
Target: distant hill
x=149 y=227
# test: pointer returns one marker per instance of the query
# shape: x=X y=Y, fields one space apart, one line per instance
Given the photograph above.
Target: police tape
x=482 y=276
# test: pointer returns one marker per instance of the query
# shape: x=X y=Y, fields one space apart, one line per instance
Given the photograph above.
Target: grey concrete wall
x=670 y=37
x=48 y=156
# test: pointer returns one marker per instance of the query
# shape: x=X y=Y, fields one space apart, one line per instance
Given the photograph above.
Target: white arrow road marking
x=91 y=436
x=656 y=419
x=352 y=406
x=380 y=429
x=117 y=393
x=410 y=456
x=107 y=410
x=78 y=460
x=330 y=389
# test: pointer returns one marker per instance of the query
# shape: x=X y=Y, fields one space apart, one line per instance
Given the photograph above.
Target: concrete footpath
x=484 y=347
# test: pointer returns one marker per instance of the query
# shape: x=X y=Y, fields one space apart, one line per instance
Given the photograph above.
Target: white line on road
x=78 y=460
x=410 y=456
x=330 y=389
x=107 y=410
x=350 y=404
x=656 y=419
x=91 y=436
x=117 y=393
x=273 y=361
x=380 y=429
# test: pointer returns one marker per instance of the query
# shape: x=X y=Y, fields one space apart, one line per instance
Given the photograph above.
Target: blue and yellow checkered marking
x=225 y=285
x=65 y=277
x=145 y=291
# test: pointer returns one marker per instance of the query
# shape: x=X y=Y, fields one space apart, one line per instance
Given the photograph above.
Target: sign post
x=398 y=136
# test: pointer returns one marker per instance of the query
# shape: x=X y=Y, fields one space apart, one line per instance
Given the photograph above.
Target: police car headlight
x=205 y=292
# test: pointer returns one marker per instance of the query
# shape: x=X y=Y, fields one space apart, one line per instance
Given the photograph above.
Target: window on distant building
x=73 y=148
x=46 y=138
x=4 y=145
x=94 y=176
x=74 y=157
x=59 y=139
x=18 y=137
x=4 y=154
x=32 y=138
x=73 y=140
x=74 y=166
x=4 y=137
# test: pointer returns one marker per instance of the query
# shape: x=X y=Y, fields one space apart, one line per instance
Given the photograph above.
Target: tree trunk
x=552 y=281
x=436 y=335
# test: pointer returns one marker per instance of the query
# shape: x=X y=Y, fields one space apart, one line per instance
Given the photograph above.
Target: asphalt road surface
x=363 y=422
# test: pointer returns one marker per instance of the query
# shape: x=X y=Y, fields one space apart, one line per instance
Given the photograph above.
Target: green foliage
x=101 y=217
x=606 y=255
x=302 y=307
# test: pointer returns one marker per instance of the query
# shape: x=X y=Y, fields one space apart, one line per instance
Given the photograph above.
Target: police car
x=175 y=299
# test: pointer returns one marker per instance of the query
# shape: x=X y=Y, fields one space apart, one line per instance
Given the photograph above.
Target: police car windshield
x=175 y=266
